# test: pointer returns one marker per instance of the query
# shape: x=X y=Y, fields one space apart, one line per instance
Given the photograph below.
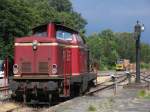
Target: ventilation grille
x=43 y=67
x=26 y=67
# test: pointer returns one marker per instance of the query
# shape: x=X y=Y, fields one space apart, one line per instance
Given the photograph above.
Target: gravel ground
x=125 y=100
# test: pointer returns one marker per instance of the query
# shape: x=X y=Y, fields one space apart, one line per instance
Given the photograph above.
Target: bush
x=145 y=65
x=144 y=94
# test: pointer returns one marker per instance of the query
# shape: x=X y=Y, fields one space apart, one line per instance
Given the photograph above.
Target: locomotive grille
x=26 y=67
x=43 y=67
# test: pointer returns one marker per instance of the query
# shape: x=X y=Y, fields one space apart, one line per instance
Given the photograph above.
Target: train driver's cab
x=58 y=31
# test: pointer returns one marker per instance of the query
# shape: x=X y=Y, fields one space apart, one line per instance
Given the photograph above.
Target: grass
x=111 y=100
x=145 y=65
x=91 y=108
x=144 y=94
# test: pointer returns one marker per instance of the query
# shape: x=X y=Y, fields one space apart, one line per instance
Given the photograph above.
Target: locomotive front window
x=60 y=35
x=64 y=35
x=40 y=31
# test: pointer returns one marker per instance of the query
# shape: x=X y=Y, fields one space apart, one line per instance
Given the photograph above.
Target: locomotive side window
x=80 y=39
x=40 y=31
x=64 y=35
x=1 y=66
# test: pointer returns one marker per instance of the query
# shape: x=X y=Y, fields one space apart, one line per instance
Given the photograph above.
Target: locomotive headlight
x=15 y=69
x=54 y=69
x=34 y=44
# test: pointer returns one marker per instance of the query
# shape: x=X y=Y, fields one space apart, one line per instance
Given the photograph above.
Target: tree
x=61 y=5
x=56 y=10
x=106 y=47
x=103 y=48
x=145 y=53
x=15 y=19
x=126 y=46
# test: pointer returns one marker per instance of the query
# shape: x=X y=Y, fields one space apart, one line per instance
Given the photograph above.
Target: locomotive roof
x=58 y=24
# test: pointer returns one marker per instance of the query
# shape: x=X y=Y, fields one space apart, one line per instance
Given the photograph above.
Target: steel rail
x=100 y=87
x=145 y=78
x=4 y=88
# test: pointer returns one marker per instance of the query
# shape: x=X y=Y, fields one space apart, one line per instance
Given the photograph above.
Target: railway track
x=4 y=88
x=107 y=84
x=100 y=86
x=145 y=76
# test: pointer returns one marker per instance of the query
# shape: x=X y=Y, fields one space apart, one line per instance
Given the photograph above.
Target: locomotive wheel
x=24 y=99
x=80 y=89
x=90 y=85
x=18 y=97
x=50 y=99
x=73 y=92
x=55 y=97
x=76 y=90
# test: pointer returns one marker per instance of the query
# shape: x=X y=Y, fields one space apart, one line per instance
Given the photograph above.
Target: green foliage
x=145 y=53
x=145 y=65
x=106 y=47
x=103 y=48
x=126 y=46
x=61 y=5
x=45 y=11
x=6 y=50
x=15 y=18
x=144 y=94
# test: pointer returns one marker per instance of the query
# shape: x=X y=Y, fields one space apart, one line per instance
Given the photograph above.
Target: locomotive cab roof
x=59 y=25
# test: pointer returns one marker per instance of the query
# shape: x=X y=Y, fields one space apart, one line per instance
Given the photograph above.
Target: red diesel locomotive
x=50 y=64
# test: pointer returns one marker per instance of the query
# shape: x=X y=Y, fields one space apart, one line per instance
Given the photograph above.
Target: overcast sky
x=118 y=15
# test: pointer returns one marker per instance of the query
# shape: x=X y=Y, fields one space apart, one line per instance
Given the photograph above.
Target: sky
x=117 y=15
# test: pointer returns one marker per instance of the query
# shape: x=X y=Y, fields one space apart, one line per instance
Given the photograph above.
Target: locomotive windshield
x=64 y=35
x=40 y=31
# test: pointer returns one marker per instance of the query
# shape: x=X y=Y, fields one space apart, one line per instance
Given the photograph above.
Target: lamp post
x=138 y=28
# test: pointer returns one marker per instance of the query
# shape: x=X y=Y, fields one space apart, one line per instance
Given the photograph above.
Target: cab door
x=67 y=61
x=67 y=70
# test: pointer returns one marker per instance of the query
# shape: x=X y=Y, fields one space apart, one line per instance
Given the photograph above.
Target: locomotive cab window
x=40 y=31
x=80 y=39
x=1 y=67
x=63 y=35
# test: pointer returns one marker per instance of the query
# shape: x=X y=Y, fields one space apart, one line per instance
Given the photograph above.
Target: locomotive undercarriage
x=49 y=91
x=35 y=92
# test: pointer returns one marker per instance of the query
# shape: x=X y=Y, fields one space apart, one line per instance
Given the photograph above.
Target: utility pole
x=138 y=28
